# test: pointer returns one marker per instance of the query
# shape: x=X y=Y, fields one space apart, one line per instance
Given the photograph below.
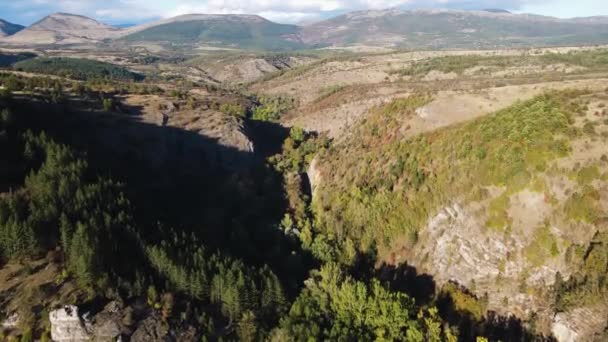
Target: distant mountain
x=63 y=28
x=124 y=26
x=592 y=20
x=239 y=31
x=393 y=28
x=7 y=29
x=453 y=29
x=496 y=10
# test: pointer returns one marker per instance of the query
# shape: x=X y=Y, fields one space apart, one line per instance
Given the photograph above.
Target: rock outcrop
x=151 y=329
x=314 y=175
x=580 y=324
x=67 y=325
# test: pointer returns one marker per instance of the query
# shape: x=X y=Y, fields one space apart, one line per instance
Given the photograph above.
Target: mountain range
x=392 y=28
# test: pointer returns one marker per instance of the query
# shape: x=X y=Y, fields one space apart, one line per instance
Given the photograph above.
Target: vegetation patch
x=588 y=59
x=329 y=91
x=7 y=60
x=588 y=174
x=587 y=286
x=78 y=69
x=583 y=206
x=543 y=246
x=381 y=185
x=464 y=302
x=271 y=108
x=498 y=213
x=455 y=64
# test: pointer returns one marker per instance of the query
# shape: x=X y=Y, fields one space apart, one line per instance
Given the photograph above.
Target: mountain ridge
x=63 y=28
x=8 y=28
x=391 y=28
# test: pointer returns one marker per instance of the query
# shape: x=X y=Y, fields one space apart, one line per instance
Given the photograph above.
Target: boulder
x=151 y=329
x=67 y=326
x=11 y=321
x=314 y=175
x=562 y=331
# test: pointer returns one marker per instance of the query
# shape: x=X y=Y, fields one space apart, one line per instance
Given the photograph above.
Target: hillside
x=178 y=181
x=238 y=31
x=78 y=69
x=452 y=29
x=62 y=29
x=7 y=29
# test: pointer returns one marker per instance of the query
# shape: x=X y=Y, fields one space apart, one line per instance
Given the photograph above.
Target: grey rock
x=11 y=321
x=67 y=326
x=151 y=329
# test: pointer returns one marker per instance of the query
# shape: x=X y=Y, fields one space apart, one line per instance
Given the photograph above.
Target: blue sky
x=290 y=11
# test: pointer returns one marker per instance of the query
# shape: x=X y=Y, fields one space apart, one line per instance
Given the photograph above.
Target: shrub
x=233 y=110
x=271 y=108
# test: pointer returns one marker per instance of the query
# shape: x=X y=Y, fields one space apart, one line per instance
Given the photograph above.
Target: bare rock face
x=580 y=324
x=11 y=321
x=456 y=246
x=562 y=330
x=152 y=329
x=106 y=326
x=314 y=175
x=67 y=326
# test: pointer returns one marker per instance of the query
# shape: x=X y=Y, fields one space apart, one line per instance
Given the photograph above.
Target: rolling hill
x=7 y=29
x=244 y=31
x=63 y=29
x=453 y=29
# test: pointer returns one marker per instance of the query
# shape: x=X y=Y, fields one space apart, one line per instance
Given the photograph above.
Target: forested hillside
x=411 y=196
x=208 y=251
x=79 y=69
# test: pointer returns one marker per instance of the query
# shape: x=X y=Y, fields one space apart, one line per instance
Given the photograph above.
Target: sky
x=26 y=12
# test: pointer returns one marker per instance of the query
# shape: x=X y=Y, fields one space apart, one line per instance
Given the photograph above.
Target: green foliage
x=79 y=69
x=588 y=59
x=498 y=213
x=456 y=64
x=57 y=203
x=6 y=60
x=405 y=105
x=587 y=286
x=464 y=302
x=588 y=174
x=335 y=307
x=583 y=205
x=233 y=110
x=271 y=108
x=107 y=104
x=460 y=64
x=225 y=282
x=329 y=91
x=382 y=186
x=298 y=150
x=543 y=246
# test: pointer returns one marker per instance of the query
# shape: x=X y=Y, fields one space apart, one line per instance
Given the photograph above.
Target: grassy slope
x=263 y=35
x=382 y=186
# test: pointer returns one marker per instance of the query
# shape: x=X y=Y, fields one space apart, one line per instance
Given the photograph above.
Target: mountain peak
x=63 y=28
x=7 y=28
